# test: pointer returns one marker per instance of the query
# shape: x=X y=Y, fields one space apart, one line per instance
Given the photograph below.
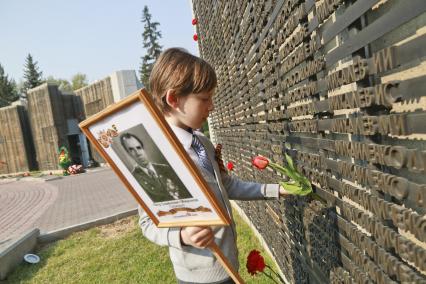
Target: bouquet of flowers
x=298 y=184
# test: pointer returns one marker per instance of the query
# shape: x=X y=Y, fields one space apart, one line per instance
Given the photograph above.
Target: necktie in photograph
x=202 y=154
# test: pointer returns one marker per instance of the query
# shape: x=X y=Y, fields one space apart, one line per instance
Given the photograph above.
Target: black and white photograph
x=148 y=165
x=136 y=141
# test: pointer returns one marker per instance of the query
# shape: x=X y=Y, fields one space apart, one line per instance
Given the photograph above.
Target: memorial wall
x=339 y=86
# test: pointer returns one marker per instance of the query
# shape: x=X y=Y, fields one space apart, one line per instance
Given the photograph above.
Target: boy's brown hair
x=181 y=71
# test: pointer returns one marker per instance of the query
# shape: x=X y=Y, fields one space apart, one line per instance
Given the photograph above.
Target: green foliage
x=32 y=76
x=93 y=256
x=63 y=85
x=151 y=44
x=8 y=91
x=79 y=81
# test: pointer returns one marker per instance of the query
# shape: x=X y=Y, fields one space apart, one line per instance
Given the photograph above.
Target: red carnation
x=255 y=262
x=195 y=37
x=260 y=162
x=194 y=21
x=230 y=166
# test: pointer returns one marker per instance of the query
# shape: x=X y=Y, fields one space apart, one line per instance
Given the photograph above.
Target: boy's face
x=193 y=110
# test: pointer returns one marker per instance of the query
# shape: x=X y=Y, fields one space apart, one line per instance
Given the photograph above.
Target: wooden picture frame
x=162 y=177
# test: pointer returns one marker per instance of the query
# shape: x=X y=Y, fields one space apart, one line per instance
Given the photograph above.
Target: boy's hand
x=283 y=192
x=199 y=237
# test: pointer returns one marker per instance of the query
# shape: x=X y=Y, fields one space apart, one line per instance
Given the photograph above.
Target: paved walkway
x=52 y=205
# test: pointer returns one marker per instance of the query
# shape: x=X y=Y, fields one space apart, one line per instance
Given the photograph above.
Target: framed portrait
x=135 y=139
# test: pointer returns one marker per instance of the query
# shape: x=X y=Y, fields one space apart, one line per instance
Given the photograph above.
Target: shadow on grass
x=100 y=255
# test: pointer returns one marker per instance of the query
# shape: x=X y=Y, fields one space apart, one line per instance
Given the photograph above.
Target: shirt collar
x=184 y=136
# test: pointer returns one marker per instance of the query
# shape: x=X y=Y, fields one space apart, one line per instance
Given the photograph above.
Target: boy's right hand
x=199 y=237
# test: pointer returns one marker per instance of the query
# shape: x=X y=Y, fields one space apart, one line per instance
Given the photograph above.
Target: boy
x=182 y=86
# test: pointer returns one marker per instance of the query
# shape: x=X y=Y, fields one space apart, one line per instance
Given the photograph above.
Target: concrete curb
x=14 y=253
x=64 y=232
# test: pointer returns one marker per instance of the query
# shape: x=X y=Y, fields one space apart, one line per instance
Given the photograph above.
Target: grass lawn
x=118 y=253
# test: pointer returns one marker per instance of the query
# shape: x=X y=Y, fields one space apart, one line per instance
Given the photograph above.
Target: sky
x=92 y=37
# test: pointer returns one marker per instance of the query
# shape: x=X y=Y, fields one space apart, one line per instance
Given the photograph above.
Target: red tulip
x=195 y=37
x=194 y=21
x=230 y=166
x=255 y=262
x=260 y=162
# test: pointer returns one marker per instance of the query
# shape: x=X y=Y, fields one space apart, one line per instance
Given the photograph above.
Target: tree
x=150 y=42
x=8 y=91
x=63 y=85
x=79 y=81
x=32 y=76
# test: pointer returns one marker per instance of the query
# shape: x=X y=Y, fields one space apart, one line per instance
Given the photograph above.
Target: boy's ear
x=171 y=99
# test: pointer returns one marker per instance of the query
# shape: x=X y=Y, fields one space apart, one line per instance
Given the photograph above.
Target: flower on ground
x=255 y=262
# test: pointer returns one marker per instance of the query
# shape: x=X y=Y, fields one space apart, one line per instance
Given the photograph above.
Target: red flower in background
x=195 y=37
x=260 y=162
x=255 y=262
x=194 y=21
x=230 y=166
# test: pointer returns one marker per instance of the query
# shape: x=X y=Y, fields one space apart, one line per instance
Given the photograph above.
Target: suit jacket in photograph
x=156 y=187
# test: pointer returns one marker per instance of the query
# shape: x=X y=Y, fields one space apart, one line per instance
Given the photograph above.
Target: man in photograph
x=158 y=180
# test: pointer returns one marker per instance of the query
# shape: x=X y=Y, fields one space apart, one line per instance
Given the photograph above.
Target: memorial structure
x=31 y=133
x=340 y=86
x=53 y=117
x=16 y=144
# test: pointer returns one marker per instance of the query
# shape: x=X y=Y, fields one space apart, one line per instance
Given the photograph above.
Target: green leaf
x=284 y=170
x=290 y=162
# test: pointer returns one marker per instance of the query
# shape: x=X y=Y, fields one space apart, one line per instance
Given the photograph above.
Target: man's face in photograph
x=136 y=150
